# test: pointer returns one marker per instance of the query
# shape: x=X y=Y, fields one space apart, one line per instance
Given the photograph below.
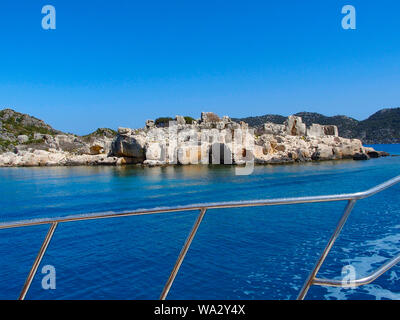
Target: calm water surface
x=251 y=253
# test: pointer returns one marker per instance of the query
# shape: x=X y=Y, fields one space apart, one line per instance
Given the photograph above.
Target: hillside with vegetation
x=25 y=131
x=14 y=124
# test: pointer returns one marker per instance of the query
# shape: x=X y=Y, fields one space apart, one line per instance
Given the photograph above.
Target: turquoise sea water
x=251 y=253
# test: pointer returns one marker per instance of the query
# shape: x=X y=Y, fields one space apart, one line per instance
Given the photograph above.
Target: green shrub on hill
x=189 y=120
x=163 y=121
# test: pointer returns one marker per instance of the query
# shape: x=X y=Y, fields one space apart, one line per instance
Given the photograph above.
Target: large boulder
x=349 y=147
x=129 y=145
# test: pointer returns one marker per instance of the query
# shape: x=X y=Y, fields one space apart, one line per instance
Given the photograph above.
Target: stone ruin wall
x=214 y=140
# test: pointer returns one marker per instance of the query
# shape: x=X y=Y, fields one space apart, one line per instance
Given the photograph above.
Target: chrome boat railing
x=312 y=279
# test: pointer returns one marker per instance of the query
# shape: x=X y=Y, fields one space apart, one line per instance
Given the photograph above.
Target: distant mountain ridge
x=381 y=127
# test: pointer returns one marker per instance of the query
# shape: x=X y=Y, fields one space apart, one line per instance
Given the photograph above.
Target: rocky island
x=27 y=141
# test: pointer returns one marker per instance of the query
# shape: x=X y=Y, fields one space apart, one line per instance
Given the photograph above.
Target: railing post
x=37 y=261
x=182 y=254
x=339 y=227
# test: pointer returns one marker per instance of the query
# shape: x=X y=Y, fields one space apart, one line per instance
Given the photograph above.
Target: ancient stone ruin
x=208 y=140
x=215 y=140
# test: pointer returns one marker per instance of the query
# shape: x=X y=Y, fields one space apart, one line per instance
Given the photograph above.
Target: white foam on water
x=364 y=265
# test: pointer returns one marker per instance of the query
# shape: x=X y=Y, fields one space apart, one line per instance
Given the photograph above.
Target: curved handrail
x=209 y=206
x=358 y=282
x=378 y=188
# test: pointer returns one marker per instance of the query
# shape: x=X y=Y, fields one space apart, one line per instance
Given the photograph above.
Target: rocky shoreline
x=208 y=140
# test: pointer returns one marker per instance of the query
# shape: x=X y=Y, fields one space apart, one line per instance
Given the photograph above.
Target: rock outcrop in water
x=212 y=140
x=208 y=140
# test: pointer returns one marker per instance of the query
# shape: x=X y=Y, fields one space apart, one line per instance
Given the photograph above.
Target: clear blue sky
x=118 y=63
